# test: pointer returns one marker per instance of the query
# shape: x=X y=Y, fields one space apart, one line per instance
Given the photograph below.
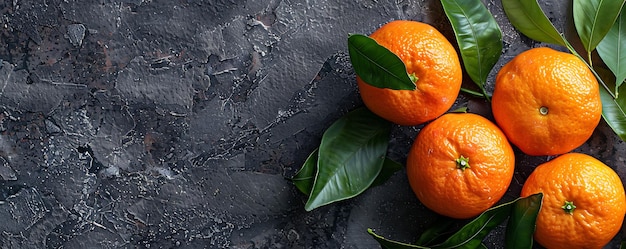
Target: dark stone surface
x=175 y=124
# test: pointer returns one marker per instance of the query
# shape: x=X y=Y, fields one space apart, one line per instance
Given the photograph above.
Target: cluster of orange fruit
x=545 y=102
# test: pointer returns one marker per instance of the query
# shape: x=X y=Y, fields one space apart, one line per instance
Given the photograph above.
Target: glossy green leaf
x=389 y=168
x=521 y=225
x=391 y=244
x=622 y=245
x=350 y=157
x=472 y=234
x=376 y=65
x=593 y=19
x=614 y=111
x=436 y=231
x=305 y=177
x=612 y=50
x=478 y=36
x=528 y=18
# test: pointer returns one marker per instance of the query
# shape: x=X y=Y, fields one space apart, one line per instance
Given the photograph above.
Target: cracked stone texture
x=176 y=124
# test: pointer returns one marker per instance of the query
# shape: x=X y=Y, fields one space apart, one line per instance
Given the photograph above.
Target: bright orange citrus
x=460 y=165
x=583 y=202
x=547 y=102
x=434 y=61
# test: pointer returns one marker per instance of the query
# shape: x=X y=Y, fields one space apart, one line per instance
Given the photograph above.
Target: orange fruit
x=583 y=202
x=431 y=58
x=460 y=165
x=547 y=102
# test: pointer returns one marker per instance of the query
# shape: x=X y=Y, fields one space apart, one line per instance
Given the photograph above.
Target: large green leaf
x=392 y=244
x=376 y=65
x=593 y=19
x=521 y=225
x=478 y=35
x=612 y=50
x=305 y=177
x=351 y=156
x=527 y=17
x=472 y=234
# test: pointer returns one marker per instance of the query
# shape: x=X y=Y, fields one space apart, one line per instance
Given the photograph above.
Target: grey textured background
x=175 y=124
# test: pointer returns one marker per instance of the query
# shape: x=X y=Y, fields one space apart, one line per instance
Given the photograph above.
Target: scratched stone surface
x=176 y=124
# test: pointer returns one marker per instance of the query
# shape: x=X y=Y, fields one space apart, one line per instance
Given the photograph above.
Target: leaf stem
x=573 y=51
x=487 y=96
x=475 y=93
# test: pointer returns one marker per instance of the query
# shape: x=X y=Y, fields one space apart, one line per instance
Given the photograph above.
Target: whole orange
x=460 y=165
x=547 y=102
x=428 y=55
x=583 y=202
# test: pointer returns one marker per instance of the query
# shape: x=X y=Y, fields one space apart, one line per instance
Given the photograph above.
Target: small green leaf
x=435 y=232
x=462 y=109
x=478 y=35
x=351 y=155
x=305 y=177
x=527 y=17
x=472 y=234
x=389 y=168
x=391 y=244
x=521 y=225
x=376 y=65
x=614 y=111
x=593 y=20
x=612 y=50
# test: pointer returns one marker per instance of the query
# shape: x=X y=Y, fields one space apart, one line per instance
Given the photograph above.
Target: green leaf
x=527 y=17
x=478 y=35
x=433 y=233
x=614 y=111
x=521 y=225
x=389 y=168
x=593 y=20
x=376 y=65
x=391 y=244
x=351 y=156
x=482 y=246
x=612 y=50
x=472 y=234
x=305 y=177
x=462 y=109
